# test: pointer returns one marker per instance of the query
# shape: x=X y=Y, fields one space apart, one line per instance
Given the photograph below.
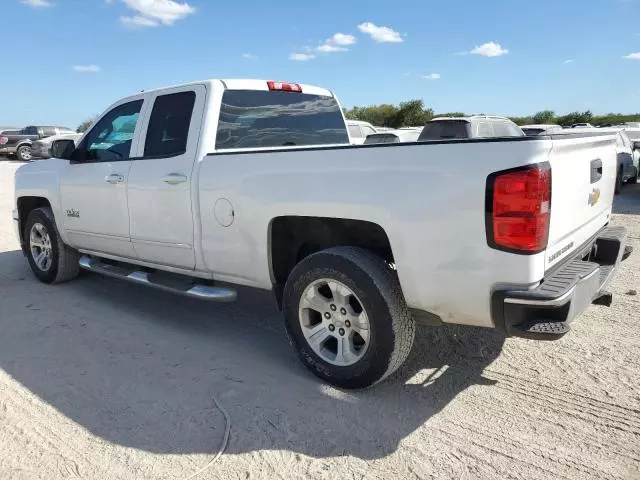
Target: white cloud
x=86 y=68
x=566 y=62
x=37 y=3
x=138 y=22
x=337 y=43
x=432 y=76
x=490 y=49
x=155 y=12
x=301 y=57
x=249 y=56
x=633 y=56
x=380 y=34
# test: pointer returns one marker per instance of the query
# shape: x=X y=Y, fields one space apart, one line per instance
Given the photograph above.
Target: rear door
x=159 y=186
x=583 y=172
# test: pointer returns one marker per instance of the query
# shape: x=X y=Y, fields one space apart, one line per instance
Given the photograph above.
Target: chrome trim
x=204 y=292
x=554 y=302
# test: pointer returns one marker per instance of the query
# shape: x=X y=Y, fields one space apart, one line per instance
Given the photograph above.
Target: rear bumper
x=7 y=150
x=545 y=312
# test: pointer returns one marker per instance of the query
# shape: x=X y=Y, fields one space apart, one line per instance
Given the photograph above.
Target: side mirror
x=63 y=148
x=636 y=145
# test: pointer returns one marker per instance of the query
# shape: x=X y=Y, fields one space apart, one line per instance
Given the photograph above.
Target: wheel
x=50 y=259
x=618 y=187
x=633 y=179
x=346 y=317
x=24 y=153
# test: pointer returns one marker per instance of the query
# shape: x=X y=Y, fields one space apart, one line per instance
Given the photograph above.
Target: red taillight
x=3 y=140
x=518 y=209
x=284 y=87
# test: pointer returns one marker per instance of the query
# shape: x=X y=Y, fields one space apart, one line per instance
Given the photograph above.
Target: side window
x=111 y=138
x=30 y=131
x=354 y=131
x=169 y=125
x=485 y=130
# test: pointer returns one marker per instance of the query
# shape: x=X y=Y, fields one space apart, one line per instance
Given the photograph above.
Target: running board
x=183 y=286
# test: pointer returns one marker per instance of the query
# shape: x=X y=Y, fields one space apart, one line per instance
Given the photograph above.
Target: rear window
x=260 y=119
x=381 y=138
x=533 y=131
x=444 y=130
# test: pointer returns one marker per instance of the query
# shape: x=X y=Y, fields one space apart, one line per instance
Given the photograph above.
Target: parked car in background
x=582 y=125
x=384 y=137
x=20 y=143
x=628 y=160
x=540 y=129
x=359 y=131
x=478 y=126
x=42 y=148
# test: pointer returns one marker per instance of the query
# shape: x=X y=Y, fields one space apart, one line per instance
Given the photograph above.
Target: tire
x=618 y=187
x=633 y=179
x=23 y=153
x=62 y=265
x=374 y=288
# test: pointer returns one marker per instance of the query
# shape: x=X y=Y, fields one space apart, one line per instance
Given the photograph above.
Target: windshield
x=443 y=130
x=259 y=119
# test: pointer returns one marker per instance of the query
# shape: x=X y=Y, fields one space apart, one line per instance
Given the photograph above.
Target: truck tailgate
x=583 y=171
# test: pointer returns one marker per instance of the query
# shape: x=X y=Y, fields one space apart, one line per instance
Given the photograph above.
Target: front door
x=159 y=186
x=93 y=185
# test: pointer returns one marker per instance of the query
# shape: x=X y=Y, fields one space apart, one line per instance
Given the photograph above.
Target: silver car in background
x=42 y=148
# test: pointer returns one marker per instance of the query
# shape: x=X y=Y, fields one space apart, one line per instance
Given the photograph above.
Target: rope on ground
x=223 y=446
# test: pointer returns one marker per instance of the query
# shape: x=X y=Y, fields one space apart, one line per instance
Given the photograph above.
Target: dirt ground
x=105 y=380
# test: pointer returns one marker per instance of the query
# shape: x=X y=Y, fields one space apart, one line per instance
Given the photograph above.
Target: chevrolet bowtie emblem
x=594 y=196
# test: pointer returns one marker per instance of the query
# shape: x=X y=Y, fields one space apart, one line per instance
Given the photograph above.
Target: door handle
x=174 y=178
x=596 y=170
x=114 y=178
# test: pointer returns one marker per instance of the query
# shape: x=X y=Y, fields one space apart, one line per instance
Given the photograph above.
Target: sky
x=72 y=58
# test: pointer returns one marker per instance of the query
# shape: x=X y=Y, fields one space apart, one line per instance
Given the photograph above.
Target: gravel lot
x=106 y=380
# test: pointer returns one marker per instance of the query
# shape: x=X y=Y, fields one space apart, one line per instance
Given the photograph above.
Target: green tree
x=86 y=124
x=544 y=117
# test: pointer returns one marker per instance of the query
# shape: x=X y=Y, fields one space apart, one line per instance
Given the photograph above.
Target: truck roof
x=247 y=84
x=469 y=118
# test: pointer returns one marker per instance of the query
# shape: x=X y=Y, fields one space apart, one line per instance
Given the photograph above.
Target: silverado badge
x=594 y=196
x=72 y=212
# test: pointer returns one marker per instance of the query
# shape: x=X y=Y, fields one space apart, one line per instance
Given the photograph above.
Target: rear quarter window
x=262 y=119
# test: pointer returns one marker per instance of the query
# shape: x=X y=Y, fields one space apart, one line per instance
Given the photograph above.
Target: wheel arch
x=292 y=238
x=25 y=205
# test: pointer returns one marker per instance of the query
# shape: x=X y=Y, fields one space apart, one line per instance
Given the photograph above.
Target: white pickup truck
x=197 y=188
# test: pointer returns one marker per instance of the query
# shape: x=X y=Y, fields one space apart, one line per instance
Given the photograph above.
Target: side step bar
x=183 y=287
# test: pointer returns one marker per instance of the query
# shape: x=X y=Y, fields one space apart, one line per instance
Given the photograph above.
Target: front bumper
x=545 y=312
x=16 y=224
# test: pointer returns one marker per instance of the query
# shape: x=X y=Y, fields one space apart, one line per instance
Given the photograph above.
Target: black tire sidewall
x=618 y=187
x=375 y=362
x=38 y=216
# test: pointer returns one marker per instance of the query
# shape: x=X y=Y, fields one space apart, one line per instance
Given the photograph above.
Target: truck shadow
x=138 y=368
x=628 y=202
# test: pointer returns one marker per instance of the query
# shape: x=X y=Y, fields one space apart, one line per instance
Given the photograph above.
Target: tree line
x=414 y=113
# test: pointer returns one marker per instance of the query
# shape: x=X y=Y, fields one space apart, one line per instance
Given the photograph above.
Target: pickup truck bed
x=355 y=241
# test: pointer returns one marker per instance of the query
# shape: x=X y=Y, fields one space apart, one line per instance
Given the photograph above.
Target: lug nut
x=333 y=308
x=343 y=311
x=347 y=324
x=341 y=331
x=327 y=315
x=331 y=328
